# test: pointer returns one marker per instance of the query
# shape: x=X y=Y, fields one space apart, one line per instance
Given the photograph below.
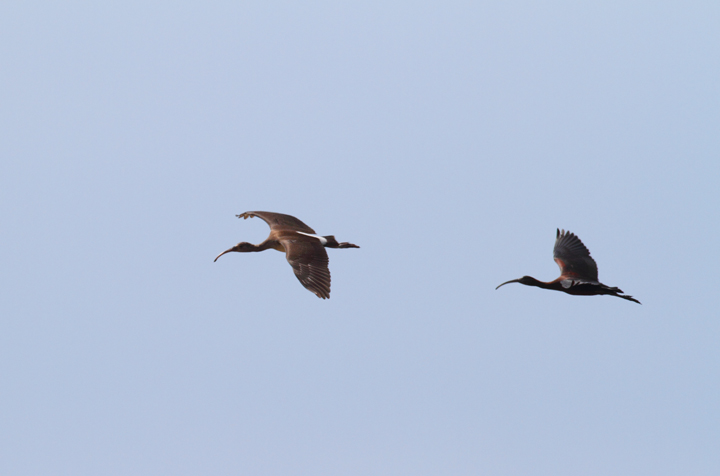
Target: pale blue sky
x=449 y=140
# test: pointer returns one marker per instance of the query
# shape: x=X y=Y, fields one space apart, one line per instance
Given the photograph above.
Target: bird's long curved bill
x=508 y=282
x=226 y=251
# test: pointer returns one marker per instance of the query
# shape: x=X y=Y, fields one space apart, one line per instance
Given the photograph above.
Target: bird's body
x=578 y=271
x=304 y=250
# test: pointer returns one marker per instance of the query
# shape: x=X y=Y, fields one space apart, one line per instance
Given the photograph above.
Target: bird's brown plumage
x=310 y=262
x=573 y=257
x=279 y=222
x=306 y=254
x=578 y=271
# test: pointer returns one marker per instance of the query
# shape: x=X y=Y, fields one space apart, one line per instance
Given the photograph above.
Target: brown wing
x=573 y=258
x=279 y=221
x=310 y=263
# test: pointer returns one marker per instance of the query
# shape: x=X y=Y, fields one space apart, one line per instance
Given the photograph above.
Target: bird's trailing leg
x=617 y=292
x=331 y=242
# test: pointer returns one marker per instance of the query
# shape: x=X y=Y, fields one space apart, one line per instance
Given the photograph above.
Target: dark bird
x=578 y=271
x=304 y=250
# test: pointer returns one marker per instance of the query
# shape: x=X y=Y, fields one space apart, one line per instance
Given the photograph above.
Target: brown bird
x=304 y=250
x=578 y=271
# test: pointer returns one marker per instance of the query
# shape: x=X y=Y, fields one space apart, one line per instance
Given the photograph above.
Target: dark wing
x=310 y=263
x=573 y=258
x=279 y=221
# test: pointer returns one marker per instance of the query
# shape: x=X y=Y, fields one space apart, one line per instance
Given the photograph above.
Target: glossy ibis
x=578 y=271
x=304 y=250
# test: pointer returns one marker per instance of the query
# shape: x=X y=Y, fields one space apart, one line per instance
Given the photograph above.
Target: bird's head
x=526 y=280
x=240 y=247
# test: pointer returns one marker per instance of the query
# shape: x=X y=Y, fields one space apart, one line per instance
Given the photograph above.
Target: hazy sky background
x=449 y=140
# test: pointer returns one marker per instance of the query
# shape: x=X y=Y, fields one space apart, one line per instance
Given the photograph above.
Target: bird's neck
x=530 y=281
x=270 y=244
x=250 y=247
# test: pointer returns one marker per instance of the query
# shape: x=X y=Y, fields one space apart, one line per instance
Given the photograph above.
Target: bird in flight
x=578 y=271
x=304 y=250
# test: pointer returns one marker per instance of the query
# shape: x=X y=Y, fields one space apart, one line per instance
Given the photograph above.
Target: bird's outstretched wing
x=573 y=258
x=279 y=221
x=309 y=260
